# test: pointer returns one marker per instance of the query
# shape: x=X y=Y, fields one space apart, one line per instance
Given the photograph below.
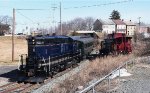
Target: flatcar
x=116 y=43
x=50 y=54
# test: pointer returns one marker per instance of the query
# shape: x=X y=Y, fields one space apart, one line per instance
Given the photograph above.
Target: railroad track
x=15 y=87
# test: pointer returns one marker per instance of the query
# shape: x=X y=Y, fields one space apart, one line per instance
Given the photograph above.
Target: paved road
x=7 y=74
x=6 y=69
x=139 y=82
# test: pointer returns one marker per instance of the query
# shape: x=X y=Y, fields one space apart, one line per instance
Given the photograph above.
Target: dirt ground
x=20 y=47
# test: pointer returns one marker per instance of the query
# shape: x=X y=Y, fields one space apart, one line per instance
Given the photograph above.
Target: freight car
x=116 y=43
x=48 y=55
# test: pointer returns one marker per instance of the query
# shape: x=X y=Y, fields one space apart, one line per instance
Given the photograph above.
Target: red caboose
x=117 y=43
x=122 y=43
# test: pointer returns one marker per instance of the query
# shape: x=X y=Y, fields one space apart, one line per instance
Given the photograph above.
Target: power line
x=33 y=23
x=33 y=9
x=111 y=3
x=25 y=16
x=54 y=8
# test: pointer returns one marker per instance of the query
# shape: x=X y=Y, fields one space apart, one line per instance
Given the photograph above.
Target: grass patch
x=96 y=69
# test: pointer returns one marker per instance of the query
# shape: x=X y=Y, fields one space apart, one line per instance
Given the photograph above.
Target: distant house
x=120 y=26
x=108 y=26
x=130 y=28
x=97 y=26
x=148 y=29
x=142 y=28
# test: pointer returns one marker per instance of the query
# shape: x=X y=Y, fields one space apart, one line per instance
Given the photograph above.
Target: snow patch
x=123 y=73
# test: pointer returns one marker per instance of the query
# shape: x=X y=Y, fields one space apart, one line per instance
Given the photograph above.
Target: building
x=108 y=27
x=142 y=28
x=97 y=26
x=120 y=26
x=130 y=28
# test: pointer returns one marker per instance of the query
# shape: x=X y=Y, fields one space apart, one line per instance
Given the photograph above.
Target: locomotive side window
x=39 y=42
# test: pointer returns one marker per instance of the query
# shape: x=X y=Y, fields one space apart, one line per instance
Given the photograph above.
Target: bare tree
x=5 y=23
x=76 y=24
x=89 y=22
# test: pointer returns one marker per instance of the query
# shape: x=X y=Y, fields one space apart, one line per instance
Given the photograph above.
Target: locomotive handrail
x=21 y=60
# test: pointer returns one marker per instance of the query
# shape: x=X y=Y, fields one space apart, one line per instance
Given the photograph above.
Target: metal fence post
x=119 y=76
x=108 y=83
x=126 y=65
x=93 y=90
x=119 y=72
x=133 y=62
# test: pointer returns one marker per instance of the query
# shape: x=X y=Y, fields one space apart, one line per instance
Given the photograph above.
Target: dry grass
x=141 y=48
x=96 y=69
x=6 y=50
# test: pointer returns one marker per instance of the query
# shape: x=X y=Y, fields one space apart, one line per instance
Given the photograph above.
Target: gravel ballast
x=47 y=88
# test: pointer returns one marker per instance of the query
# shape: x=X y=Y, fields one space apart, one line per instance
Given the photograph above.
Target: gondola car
x=50 y=54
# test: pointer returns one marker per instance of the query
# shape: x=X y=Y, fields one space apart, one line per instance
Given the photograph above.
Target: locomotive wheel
x=51 y=74
x=74 y=63
x=62 y=68
x=56 y=69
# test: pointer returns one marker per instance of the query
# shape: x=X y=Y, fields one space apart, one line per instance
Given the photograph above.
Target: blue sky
x=44 y=18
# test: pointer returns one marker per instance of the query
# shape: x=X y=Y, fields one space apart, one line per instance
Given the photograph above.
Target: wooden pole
x=13 y=31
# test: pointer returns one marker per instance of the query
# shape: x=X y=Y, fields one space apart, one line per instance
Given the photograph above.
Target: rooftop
x=107 y=22
x=85 y=31
x=129 y=22
x=119 y=22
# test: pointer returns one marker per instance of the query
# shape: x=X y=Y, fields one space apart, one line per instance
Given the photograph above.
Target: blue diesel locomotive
x=50 y=54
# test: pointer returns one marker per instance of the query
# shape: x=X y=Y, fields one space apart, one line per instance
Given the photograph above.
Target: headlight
x=33 y=40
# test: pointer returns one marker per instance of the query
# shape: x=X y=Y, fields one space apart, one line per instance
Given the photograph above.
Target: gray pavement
x=6 y=69
x=139 y=82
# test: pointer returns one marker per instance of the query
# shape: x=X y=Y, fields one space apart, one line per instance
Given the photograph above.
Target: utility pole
x=60 y=20
x=54 y=22
x=13 y=31
x=139 y=22
x=138 y=30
